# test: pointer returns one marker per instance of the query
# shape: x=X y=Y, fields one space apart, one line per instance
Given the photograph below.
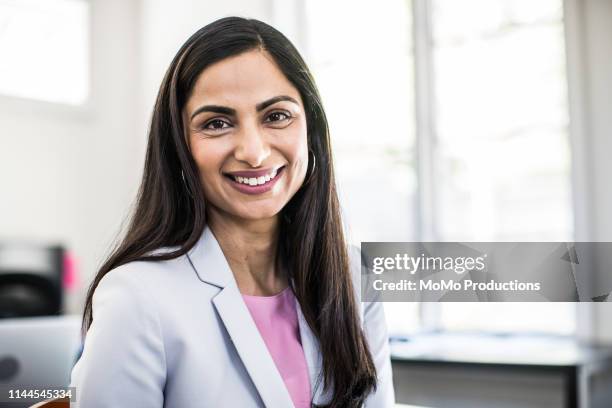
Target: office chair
x=54 y=403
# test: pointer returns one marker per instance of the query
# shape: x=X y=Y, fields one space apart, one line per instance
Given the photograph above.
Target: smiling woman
x=234 y=285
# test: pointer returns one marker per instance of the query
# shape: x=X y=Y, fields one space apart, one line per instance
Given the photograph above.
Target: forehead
x=241 y=81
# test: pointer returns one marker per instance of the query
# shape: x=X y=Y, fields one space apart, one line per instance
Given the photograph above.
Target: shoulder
x=123 y=305
x=371 y=310
x=141 y=285
x=167 y=290
x=137 y=296
x=122 y=289
x=354 y=255
x=147 y=274
x=355 y=261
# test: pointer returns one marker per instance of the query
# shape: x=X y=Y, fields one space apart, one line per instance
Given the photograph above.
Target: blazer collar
x=209 y=263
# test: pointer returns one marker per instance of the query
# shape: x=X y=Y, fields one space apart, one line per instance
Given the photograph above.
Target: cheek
x=298 y=155
x=298 y=150
x=208 y=157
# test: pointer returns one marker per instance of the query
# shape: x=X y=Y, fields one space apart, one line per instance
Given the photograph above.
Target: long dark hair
x=170 y=206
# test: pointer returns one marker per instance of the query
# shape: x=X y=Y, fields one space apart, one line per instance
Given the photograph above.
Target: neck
x=250 y=249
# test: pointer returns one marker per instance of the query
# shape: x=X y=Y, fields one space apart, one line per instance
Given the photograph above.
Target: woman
x=233 y=286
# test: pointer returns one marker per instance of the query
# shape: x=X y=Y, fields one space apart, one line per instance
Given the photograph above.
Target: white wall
x=67 y=174
x=166 y=25
x=70 y=175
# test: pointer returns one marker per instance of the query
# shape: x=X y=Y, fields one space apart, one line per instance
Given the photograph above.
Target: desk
x=408 y=406
x=529 y=354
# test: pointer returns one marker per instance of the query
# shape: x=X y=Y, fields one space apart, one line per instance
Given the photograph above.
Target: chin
x=255 y=214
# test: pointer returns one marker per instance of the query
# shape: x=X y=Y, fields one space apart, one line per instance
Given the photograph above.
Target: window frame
x=427 y=230
x=431 y=312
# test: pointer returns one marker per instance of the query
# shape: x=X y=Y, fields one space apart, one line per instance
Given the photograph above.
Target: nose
x=252 y=147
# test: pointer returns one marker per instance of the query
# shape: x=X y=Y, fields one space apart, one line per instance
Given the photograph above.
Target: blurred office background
x=471 y=120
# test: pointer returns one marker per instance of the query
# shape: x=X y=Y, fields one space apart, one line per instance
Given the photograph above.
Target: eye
x=278 y=116
x=216 y=125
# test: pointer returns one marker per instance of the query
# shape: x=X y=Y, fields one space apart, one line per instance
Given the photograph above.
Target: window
x=364 y=71
x=44 y=50
x=501 y=127
x=487 y=114
x=501 y=141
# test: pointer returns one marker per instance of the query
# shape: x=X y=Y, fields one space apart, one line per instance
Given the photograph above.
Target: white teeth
x=254 y=181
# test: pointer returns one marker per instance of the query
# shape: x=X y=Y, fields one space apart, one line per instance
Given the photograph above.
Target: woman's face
x=246 y=129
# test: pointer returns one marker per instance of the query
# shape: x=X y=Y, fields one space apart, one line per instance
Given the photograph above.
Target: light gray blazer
x=177 y=334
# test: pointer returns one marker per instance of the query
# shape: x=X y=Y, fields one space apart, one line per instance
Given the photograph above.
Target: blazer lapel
x=209 y=263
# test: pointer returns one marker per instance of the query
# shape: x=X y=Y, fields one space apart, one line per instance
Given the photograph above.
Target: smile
x=255 y=182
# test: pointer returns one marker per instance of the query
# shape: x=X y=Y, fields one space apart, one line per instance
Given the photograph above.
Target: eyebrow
x=232 y=112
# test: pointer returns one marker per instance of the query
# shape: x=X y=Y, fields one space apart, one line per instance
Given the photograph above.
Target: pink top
x=276 y=318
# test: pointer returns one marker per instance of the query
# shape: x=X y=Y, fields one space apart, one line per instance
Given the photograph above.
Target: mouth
x=255 y=182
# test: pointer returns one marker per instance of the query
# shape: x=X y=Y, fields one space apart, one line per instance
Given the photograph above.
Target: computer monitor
x=30 y=279
x=37 y=352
